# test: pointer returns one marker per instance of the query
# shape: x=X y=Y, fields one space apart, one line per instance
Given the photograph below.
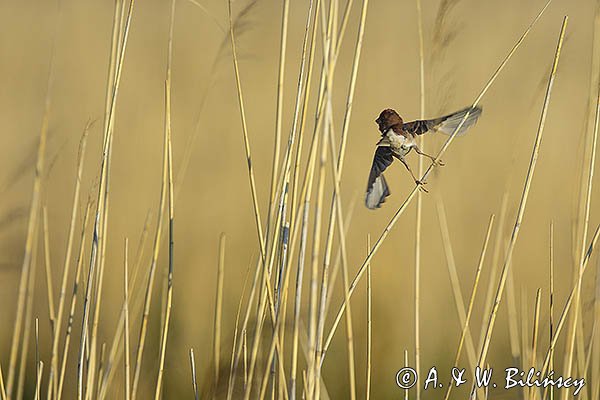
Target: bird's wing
x=446 y=124
x=377 y=188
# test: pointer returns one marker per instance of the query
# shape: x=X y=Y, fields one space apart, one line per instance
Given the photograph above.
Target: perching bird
x=398 y=139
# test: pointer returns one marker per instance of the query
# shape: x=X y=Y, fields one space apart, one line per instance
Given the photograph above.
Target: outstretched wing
x=377 y=188
x=447 y=124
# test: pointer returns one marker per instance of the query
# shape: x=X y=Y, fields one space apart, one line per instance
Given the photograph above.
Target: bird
x=398 y=138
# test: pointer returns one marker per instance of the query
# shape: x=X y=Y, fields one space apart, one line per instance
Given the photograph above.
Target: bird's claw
x=438 y=163
x=420 y=185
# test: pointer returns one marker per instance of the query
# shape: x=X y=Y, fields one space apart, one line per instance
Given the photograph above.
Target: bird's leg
x=438 y=162
x=418 y=182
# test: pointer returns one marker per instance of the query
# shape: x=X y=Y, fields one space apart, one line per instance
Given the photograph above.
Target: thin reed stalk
x=498 y=248
x=38 y=363
x=279 y=104
x=219 y=310
x=551 y=267
x=405 y=365
x=193 y=371
x=472 y=299
x=164 y=193
x=267 y=291
x=569 y=303
x=29 y=243
x=169 y=184
x=327 y=73
x=235 y=330
x=336 y=220
x=369 y=323
x=336 y=211
x=126 y=315
x=38 y=382
x=70 y=319
x=313 y=283
x=523 y=202
x=596 y=340
x=102 y=198
x=266 y=272
x=307 y=194
x=419 y=209
x=241 y=103
x=454 y=279
x=518 y=351
x=534 y=339
x=29 y=297
x=587 y=192
x=48 y=269
x=52 y=380
x=135 y=305
x=2 y=388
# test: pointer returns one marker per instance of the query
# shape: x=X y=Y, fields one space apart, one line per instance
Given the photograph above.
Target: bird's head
x=388 y=118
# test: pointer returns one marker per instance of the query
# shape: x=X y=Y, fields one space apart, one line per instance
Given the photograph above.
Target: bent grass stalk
x=413 y=193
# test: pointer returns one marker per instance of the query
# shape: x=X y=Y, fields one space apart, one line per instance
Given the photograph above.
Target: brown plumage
x=398 y=139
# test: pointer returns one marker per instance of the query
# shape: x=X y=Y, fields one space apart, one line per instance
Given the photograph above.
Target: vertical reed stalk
x=587 y=190
x=534 y=340
x=29 y=297
x=126 y=315
x=454 y=279
x=102 y=198
x=29 y=241
x=523 y=202
x=569 y=303
x=2 y=388
x=219 y=310
x=169 y=184
x=70 y=319
x=551 y=266
x=193 y=371
x=472 y=299
x=53 y=378
x=419 y=210
x=48 y=270
x=369 y=323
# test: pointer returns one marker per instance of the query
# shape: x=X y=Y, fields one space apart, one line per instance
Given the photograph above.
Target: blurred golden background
x=214 y=194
